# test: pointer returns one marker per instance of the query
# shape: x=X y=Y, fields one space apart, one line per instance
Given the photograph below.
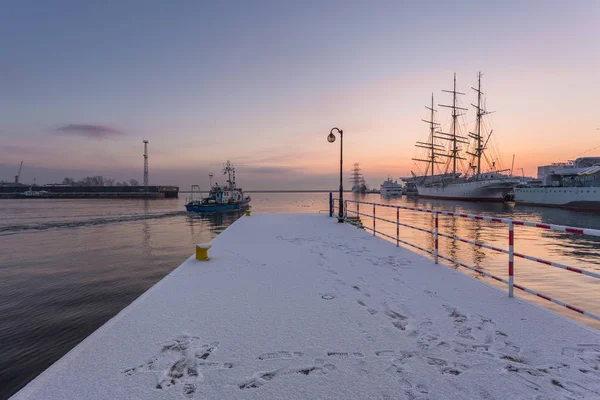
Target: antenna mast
x=228 y=169
x=453 y=137
x=146 y=164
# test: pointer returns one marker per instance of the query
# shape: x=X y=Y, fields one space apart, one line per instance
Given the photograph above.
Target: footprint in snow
x=277 y=355
x=179 y=364
x=370 y=310
x=358 y=289
x=344 y=355
x=399 y=321
x=399 y=356
x=259 y=379
x=587 y=353
x=417 y=392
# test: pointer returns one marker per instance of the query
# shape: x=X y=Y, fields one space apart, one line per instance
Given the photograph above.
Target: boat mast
x=431 y=145
x=228 y=169
x=432 y=134
x=453 y=137
x=356 y=176
x=480 y=147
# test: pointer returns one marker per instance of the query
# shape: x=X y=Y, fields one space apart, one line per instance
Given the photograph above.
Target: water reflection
x=560 y=243
x=215 y=221
x=146 y=234
x=560 y=216
x=478 y=253
x=580 y=251
x=453 y=246
x=431 y=241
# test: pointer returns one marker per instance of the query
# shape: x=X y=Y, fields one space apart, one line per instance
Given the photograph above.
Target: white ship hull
x=391 y=190
x=493 y=190
x=585 y=198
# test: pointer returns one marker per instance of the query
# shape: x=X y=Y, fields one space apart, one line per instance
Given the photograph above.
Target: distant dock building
x=12 y=190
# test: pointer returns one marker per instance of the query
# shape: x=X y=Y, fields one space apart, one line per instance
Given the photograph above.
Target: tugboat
x=219 y=198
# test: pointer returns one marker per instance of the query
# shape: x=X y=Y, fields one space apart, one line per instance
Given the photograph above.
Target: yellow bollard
x=247 y=213
x=202 y=251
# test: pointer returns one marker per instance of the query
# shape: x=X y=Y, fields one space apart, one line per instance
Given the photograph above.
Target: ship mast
x=453 y=137
x=228 y=169
x=480 y=147
x=356 y=175
x=431 y=145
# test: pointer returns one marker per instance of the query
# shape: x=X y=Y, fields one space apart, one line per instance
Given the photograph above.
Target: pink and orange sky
x=262 y=83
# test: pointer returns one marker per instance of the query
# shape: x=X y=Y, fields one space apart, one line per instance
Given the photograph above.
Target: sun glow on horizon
x=209 y=84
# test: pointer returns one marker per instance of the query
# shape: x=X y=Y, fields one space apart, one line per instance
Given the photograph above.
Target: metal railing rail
x=436 y=234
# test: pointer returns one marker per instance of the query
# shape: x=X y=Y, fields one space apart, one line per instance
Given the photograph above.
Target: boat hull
x=493 y=190
x=216 y=207
x=577 y=198
x=391 y=189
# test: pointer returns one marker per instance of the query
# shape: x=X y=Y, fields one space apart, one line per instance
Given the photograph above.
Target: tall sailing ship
x=357 y=180
x=473 y=183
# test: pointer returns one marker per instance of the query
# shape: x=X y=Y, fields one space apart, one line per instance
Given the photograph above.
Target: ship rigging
x=472 y=183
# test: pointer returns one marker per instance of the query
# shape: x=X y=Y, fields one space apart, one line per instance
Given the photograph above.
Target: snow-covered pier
x=300 y=307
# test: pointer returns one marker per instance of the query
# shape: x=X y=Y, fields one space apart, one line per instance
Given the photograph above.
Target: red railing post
x=511 y=257
x=435 y=237
x=358 y=209
x=397 y=227
x=373 y=219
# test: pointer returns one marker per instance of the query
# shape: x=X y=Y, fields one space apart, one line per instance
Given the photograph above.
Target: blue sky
x=261 y=83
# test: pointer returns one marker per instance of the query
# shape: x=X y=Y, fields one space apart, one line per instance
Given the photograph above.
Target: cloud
x=89 y=131
x=11 y=149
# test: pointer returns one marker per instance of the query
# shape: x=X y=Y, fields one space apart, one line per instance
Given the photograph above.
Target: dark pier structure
x=14 y=191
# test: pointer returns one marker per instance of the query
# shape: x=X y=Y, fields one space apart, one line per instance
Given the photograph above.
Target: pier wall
x=83 y=192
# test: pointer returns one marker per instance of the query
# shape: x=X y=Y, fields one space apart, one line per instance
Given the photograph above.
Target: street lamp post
x=331 y=139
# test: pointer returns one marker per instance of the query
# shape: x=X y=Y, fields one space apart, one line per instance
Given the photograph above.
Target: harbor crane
x=146 y=180
x=18 y=175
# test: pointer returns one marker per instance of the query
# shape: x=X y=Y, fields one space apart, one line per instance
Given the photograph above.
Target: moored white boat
x=581 y=198
x=575 y=185
x=391 y=188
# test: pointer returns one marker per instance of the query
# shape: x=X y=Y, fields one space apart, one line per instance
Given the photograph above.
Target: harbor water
x=67 y=266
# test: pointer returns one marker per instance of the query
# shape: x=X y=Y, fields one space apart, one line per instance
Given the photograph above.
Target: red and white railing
x=436 y=234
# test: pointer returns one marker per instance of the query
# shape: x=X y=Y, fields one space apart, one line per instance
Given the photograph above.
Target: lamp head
x=331 y=138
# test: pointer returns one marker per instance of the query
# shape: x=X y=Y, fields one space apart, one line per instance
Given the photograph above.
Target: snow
x=300 y=307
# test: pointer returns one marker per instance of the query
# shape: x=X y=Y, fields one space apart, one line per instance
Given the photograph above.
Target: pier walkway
x=301 y=307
